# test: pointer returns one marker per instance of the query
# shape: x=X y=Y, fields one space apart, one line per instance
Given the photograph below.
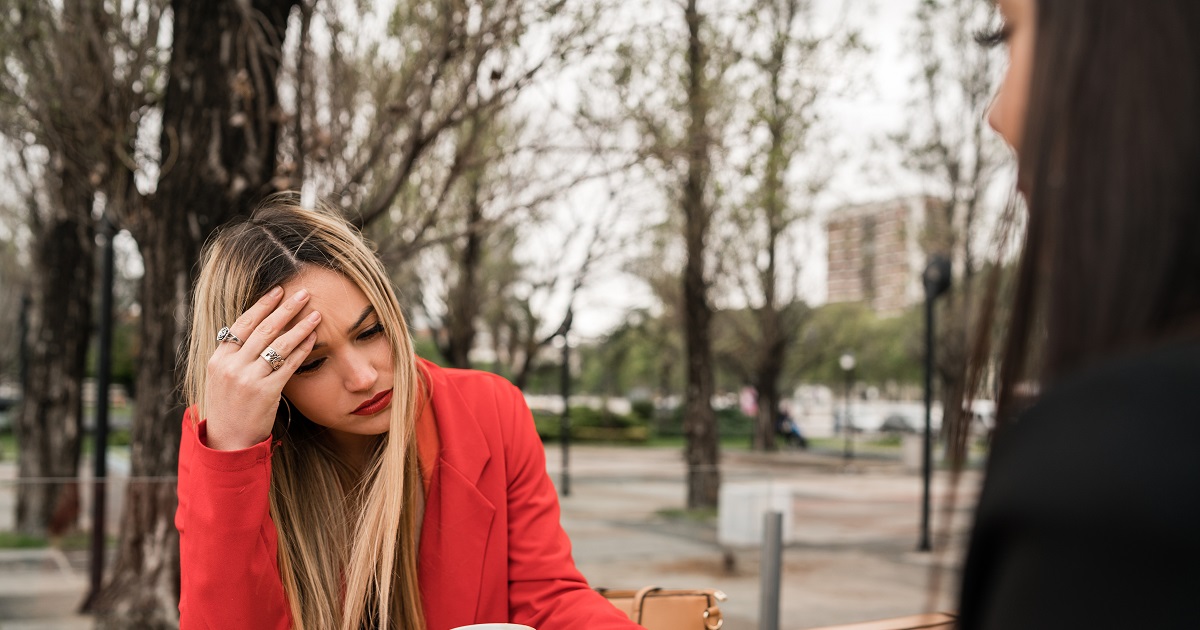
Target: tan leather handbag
x=655 y=608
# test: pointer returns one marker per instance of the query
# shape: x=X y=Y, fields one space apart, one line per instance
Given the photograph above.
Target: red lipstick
x=378 y=403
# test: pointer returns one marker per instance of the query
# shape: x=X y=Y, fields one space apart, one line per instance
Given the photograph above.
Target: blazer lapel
x=458 y=518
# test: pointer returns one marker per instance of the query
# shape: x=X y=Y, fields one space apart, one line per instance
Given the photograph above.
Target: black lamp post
x=936 y=279
x=100 y=439
x=565 y=422
x=847 y=363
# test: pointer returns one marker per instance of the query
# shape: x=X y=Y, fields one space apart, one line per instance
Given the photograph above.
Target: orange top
x=428 y=444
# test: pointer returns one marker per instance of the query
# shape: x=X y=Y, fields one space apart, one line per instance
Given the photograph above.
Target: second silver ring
x=273 y=358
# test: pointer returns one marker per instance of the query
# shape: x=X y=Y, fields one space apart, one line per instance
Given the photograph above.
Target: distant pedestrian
x=1090 y=509
x=790 y=430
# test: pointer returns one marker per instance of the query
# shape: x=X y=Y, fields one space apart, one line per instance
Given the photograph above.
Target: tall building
x=875 y=254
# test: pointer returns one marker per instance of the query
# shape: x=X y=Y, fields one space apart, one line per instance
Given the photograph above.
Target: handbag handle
x=639 y=597
x=712 y=615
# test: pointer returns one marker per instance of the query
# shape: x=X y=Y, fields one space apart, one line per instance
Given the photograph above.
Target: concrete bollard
x=772 y=564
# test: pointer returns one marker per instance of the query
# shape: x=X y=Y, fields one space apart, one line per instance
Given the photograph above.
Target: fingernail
x=276 y=292
x=301 y=295
x=314 y=317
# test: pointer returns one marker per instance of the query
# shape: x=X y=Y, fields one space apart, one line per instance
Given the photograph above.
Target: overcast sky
x=859 y=124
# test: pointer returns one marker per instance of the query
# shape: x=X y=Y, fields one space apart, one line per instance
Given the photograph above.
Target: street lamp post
x=847 y=363
x=936 y=279
x=100 y=438
x=565 y=420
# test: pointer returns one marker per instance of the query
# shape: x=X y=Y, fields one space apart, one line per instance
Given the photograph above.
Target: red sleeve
x=545 y=591
x=229 y=576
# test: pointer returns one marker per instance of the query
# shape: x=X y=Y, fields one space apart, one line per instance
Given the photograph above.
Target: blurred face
x=345 y=383
x=1007 y=113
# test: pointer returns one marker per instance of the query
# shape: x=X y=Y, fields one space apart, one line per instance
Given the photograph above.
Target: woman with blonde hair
x=328 y=478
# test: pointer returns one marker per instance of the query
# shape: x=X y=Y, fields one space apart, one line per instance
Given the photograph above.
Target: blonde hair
x=353 y=572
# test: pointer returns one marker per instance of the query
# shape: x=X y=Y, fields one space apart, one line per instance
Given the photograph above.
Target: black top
x=1090 y=511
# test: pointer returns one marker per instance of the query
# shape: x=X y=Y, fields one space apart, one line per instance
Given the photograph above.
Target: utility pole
x=847 y=364
x=936 y=279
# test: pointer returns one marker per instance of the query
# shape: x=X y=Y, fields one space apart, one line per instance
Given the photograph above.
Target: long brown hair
x=1109 y=163
x=352 y=572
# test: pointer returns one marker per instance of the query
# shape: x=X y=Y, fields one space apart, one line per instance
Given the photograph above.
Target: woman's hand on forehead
x=245 y=380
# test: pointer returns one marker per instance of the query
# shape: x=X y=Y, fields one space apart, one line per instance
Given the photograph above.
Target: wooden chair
x=927 y=621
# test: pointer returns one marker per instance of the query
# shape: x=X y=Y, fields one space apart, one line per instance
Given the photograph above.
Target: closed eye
x=365 y=335
x=371 y=332
x=310 y=366
x=995 y=37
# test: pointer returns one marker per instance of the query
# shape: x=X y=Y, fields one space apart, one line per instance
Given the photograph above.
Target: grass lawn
x=735 y=443
x=71 y=542
x=8 y=446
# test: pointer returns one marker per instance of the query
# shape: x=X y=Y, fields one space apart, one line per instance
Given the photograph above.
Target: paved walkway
x=851 y=555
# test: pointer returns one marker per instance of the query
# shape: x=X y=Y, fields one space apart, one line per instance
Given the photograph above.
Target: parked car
x=983 y=416
x=10 y=396
x=898 y=423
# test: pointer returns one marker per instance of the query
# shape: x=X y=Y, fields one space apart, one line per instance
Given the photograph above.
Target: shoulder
x=1163 y=377
x=478 y=379
x=1129 y=398
x=469 y=383
x=479 y=411
x=1121 y=432
x=1107 y=455
x=482 y=398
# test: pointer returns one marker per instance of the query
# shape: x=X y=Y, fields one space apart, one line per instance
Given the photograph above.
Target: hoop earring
x=288 y=406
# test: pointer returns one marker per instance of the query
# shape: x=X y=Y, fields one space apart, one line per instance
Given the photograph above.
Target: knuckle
x=218 y=371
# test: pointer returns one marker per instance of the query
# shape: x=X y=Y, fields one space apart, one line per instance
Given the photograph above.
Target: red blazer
x=491 y=548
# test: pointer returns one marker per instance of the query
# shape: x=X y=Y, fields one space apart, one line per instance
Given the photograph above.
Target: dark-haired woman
x=1090 y=512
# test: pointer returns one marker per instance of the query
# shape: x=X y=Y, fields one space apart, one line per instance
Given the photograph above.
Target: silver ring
x=272 y=357
x=227 y=335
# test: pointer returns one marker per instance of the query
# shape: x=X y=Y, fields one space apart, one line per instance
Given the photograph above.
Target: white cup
x=494 y=626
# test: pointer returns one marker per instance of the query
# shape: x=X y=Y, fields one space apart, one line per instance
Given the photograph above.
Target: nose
x=993 y=112
x=360 y=374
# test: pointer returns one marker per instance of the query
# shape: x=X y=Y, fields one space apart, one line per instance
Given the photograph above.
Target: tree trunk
x=221 y=124
x=50 y=421
x=700 y=423
x=952 y=348
x=529 y=345
x=521 y=376
x=464 y=297
x=767 y=422
x=773 y=340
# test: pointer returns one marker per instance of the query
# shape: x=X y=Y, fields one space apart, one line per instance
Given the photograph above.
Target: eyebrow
x=362 y=317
